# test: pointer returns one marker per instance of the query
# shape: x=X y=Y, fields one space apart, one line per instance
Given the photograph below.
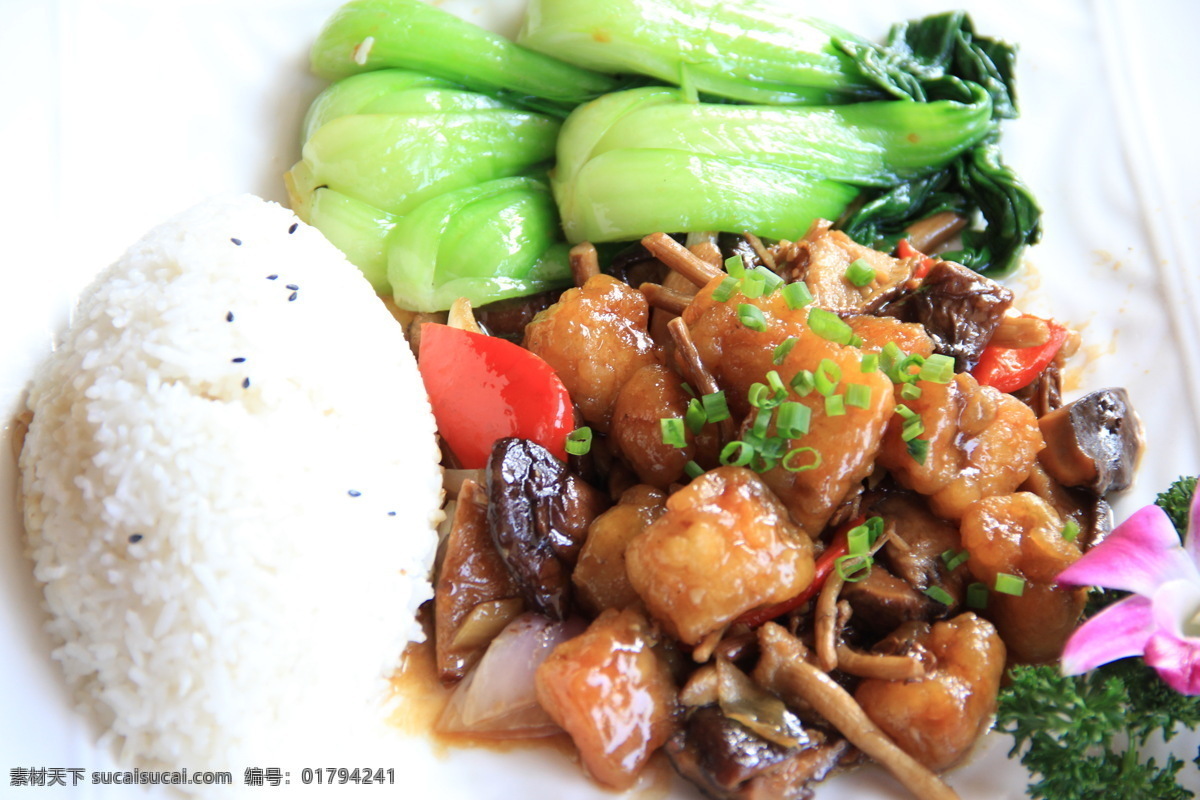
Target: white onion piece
x=498 y=698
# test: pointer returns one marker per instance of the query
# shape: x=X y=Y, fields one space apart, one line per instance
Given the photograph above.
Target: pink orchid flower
x=1160 y=620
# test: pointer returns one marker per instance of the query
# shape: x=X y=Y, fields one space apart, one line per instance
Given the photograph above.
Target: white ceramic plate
x=118 y=113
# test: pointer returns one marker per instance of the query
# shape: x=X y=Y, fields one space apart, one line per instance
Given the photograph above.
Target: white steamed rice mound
x=230 y=488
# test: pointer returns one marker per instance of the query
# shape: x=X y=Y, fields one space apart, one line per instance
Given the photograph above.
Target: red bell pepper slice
x=1011 y=368
x=906 y=250
x=826 y=562
x=483 y=388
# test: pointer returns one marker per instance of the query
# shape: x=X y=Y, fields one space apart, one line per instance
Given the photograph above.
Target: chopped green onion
x=906 y=413
x=829 y=326
x=737 y=454
x=910 y=391
x=735 y=266
x=695 y=418
x=860 y=273
x=977 y=596
x=754 y=285
x=776 y=385
x=715 y=407
x=725 y=289
x=789 y=459
x=939 y=594
x=889 y=357
x=762 y=423
x=579 y=441
x=763 y=396
x=904 y=368
x=918 y=449
x=1009 y=584
x=782 y=350
x=858 y=540
x=752 y=317
x=827 y=376
x=693 y=469
x=852 y=568
x=673 y=432
x=1070 y=530
x=804 y=382
x=869 y=362
x=687 y=387
x=835 y=405
x=858 y=395
x=937 y=368
x=797 y=295
x=793 y=419
x=912 y=429
x=954 y=560
x=770 y=280
x=874 y=527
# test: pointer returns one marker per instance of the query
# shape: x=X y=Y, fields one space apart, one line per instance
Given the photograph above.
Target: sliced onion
x=499 y=698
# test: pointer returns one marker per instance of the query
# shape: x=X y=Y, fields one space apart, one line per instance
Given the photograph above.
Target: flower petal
x=1119 y=631
x=1177 y=662
x=1140 y=554
x=1177 y=609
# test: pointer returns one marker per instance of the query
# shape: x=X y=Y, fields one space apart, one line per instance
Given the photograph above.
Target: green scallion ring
x=737 y=454
x=1009 y=584
x=796 y=295
x=673 y=432
x=939 y=594
x=793 y=419
x=579 y=441
x=789 y=460
x=860 y=273
x=752 y=317
x=716 y=409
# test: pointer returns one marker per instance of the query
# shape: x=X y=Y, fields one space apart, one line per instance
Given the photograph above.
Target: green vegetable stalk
x=381 y=145
x=396 y=161
x=360 y=230
x=365 y=35
x=756 y=51
x=643 y=160
x=391 y=91
x=485 y=242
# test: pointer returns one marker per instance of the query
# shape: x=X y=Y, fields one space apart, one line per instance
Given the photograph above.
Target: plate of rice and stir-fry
x=649 y=399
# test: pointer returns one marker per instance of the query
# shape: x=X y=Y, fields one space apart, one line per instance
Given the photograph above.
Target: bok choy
x=757 y=51
x=366 y=35
x=382 y=145
x=634 y=162
x=486 y=242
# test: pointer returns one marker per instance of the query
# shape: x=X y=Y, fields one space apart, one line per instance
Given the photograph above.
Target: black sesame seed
x=135 y=538
x=292 y=286
x=245 y=383
x=391 y=513
x=292 y=296
x=229 y=317
x=238 y=360
x=354 y=493
x=292 y=229
x=238 y=242
x=272 y=277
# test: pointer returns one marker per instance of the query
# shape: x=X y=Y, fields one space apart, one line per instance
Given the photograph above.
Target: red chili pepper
x=906 y=250
x=826 y=562
x=1012 y=368
x=483 y=388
